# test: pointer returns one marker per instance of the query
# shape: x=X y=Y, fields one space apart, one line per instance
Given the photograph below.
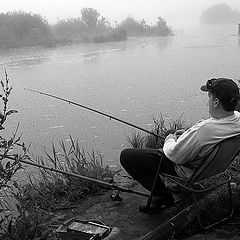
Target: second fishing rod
x=96 y=111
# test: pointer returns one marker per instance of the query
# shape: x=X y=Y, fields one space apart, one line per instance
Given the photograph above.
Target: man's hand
x=176 y=135
x=171 y=136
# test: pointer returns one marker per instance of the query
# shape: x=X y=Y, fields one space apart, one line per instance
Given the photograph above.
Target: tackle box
x=76 y=229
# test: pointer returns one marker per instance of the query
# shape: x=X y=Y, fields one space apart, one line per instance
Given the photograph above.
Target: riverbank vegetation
x=45 y=193
x=52 y=191
x=21 y=29
x=12 y=151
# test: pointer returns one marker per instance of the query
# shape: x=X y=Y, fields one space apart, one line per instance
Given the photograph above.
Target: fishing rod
x=105 y=184
x=96 y=111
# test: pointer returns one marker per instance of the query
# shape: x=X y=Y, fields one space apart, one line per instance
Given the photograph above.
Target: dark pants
x=142 y=165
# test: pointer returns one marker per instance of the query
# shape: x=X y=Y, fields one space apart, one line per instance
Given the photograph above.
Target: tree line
x=220 y=14
x=20 y=29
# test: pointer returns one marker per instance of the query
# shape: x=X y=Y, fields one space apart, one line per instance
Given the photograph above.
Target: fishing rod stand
x=115 y=197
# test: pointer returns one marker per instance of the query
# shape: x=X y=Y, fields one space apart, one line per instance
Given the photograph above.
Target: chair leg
x=154 y=183
x=231 y=199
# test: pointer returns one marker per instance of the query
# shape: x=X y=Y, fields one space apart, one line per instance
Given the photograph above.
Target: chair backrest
x=218 y=160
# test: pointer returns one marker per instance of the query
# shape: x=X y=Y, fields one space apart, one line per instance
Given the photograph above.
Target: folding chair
x=213 y=165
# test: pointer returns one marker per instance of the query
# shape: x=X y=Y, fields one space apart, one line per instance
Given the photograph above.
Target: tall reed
x=161 y=128
x=61 y=190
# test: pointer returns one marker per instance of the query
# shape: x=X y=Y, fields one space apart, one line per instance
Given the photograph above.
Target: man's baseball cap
x=225 y=89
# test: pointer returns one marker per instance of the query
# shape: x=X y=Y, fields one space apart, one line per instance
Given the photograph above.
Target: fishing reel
x=115 y=197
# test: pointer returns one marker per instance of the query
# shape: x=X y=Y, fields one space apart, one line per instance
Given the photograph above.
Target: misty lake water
x=134 y=80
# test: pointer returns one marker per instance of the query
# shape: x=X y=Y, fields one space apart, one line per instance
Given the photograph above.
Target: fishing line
x=96 y=111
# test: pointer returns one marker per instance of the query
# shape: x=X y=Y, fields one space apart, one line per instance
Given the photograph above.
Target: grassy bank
x=46 y=192
x=52 y=191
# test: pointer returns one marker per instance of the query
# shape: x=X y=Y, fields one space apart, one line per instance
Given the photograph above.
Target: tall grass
x=51 y=190
x=47 y=191
x=161 y=128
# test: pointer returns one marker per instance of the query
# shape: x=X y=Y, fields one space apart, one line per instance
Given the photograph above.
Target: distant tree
x=84 y=28
x=161 y=22
x=132 y=26
x=220 y=14
x=144 y=25
x=103 y=24
x=69 y=29
x=23 y=29
x=139 y=28
x=162 y=28
x=90 y=17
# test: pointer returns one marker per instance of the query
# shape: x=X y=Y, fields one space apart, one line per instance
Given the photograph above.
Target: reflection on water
x=22 y=57
x=15 y=58
x=134 y=80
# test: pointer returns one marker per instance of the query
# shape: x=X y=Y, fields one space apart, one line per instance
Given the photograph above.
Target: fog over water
x=182 y=14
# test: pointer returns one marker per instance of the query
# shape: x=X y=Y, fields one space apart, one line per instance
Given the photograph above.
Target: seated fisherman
x=182 y=151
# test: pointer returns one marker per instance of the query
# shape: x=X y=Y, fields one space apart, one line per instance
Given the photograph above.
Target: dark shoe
x=156 y=206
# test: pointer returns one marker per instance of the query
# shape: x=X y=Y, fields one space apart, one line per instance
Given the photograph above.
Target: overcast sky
x=178 y=13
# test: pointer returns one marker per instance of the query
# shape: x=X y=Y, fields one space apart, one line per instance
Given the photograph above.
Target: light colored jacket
x=196 y=142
